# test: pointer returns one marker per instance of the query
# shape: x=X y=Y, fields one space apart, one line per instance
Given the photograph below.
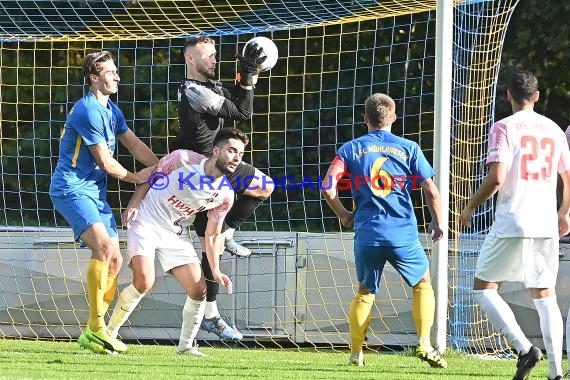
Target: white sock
x=229 y=233
x=211 y=309
x=551 y=326
x=192 y=315
x=502 y=318
x=126 y=303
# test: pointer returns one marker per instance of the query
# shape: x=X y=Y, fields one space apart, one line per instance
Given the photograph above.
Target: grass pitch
x=27 y=359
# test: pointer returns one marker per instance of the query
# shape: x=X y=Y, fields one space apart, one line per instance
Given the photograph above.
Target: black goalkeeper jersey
x=202 y=108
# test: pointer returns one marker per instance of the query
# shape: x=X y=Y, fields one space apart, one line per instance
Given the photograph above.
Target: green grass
x=64 y=360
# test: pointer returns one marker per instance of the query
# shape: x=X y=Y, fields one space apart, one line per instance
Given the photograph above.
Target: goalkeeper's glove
x=249 y=62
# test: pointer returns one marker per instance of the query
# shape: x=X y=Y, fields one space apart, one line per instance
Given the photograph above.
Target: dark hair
x=91 y=63
x=379 y=108
x=522 y=85
x=193 y=41
x=230 y=133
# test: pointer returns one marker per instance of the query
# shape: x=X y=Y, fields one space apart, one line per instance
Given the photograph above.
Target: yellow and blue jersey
x=383 y=169
x=88 y=123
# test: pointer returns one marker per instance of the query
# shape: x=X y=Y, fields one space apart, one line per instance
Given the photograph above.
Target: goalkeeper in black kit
x=203 y=104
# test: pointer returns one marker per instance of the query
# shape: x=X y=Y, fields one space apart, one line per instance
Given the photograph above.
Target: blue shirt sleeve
x=420 y=166
x=88 y=123
x=121 y=123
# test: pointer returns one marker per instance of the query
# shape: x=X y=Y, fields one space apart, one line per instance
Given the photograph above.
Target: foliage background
x=40 y=82
x=538 y=39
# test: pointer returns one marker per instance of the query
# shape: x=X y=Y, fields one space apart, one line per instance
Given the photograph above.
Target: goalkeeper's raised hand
x=249 y=62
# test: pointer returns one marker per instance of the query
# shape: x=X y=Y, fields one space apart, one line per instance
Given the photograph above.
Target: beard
x=208 y=73
x=223 y=167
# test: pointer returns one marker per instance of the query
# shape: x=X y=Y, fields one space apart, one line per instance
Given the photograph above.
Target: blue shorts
x=410 y=262
x=82 y=211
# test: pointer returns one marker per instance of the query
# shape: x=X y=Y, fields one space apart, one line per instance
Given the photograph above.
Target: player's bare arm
x=331 y=195
x=132 y=210
x=139 y=150
x=111 y=166
x=433 y=201
x=490 y=185
x=564 y=210
x=214 y=241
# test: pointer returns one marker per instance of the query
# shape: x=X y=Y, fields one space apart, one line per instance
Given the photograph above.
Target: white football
x=269 y=50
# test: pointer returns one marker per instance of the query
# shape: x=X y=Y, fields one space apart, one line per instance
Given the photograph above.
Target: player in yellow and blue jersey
x=79 y=187
x=381 y=169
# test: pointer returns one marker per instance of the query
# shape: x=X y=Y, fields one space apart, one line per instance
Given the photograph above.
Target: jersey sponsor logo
x=189 y=210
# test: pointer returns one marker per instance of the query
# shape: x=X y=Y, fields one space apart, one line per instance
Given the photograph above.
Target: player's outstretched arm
x=139 y=150
x=249 y=62
x=109 y=165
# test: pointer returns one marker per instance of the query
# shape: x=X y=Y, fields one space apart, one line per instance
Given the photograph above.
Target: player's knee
x=198 y=292
x=422 y=285
x=143 y=284
x=106 y=250
x=116 y=263
x=363 y=290
x=426 y=278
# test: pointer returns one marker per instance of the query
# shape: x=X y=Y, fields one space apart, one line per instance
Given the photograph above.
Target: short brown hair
x=91 y=63
x=193 y=41
x=379 y=108
x=230 y=133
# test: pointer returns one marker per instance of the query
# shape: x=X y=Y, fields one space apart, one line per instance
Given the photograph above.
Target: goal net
x=298 y=284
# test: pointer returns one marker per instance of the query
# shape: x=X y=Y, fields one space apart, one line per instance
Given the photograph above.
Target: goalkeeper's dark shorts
x=240 y=180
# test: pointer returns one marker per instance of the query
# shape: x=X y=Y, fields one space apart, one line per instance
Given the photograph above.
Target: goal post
x=442 y=131
x=438 y=59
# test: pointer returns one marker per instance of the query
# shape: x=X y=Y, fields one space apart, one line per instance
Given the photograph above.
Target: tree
x=538 y=39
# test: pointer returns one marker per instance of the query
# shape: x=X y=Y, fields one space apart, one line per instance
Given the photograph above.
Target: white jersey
x=534 y=149
x=181 y=190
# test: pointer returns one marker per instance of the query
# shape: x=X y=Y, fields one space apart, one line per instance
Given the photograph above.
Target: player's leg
x=191 y=278
x=500 y=260
x=412 y=264
x=181 y=261
x=117 y=259
x=90 y=221
x=132 y=295
x=252 y=188
x=369 y=264
x=551 y=326
x=104 y=250
x=212 y=321
x=142 y=241
x=540 y=276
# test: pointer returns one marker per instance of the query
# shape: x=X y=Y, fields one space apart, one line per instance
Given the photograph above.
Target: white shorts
x=146 y=239
x=532 y=261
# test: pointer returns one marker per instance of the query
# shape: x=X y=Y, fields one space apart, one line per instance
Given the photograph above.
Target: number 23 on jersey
x=536 y=158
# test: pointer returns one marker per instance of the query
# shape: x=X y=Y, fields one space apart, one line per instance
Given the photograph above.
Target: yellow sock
x=111 y=290
x=97 y=272
x=423 y=310
x=358 y=320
